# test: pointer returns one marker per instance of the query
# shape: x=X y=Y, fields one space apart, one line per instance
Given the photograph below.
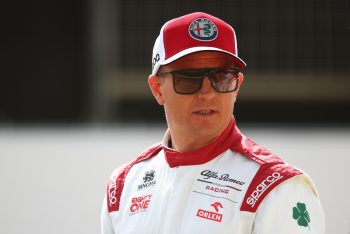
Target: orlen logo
x=214 y=216
x=262 y=187
x=140 y=204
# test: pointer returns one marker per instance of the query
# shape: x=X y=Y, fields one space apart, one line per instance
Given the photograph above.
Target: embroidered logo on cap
x=202 y=29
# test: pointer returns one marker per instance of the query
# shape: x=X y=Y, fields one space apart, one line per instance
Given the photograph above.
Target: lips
x=205 y=112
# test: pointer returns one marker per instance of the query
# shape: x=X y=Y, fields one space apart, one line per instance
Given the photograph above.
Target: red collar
x=203 y=155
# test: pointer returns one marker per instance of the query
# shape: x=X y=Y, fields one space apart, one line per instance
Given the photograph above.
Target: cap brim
x=238 y=61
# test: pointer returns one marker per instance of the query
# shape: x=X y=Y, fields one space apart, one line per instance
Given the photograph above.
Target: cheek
x=166 y=90
x=177 y=108
x=234 y=98
x=176 y=103
x=229 y=102
x=230 y=97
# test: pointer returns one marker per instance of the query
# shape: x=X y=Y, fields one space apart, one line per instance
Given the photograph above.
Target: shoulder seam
x=272 y=172
x=265 y=180
x=116 y=182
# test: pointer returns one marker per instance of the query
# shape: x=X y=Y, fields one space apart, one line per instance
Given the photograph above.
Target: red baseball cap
x=192 y=33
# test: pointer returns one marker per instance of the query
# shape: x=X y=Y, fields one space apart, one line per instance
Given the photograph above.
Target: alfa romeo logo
x=203 y=29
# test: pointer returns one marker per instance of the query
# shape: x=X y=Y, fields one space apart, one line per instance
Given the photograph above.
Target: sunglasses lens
x=190 y=81
x=187 y=82
x=224 y=80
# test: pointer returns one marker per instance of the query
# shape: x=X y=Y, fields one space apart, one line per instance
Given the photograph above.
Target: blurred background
x=75 y=103
x=88 y=61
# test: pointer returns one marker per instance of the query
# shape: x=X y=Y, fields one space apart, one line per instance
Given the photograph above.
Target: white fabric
x=274 y=214
x=175 y=197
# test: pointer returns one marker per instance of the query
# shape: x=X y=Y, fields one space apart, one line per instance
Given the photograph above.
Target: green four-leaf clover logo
x=301 y=215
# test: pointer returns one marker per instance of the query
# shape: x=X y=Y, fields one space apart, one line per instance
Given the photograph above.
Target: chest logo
x=217 y=190
x=210 y=215
x=148 y=180
x=140 y=204
x=222 y=180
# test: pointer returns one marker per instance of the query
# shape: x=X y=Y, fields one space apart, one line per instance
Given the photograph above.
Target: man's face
x=204 y=114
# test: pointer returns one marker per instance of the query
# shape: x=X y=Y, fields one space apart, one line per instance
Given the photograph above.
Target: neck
x=183 y=145
x=185 y=142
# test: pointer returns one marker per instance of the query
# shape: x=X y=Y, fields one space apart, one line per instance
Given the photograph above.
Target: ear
x=240 y=80
x=156 y=87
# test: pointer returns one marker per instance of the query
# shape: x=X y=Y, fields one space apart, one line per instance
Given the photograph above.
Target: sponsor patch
x=155 y=60
x=202 y=29
x=262 y=187
x=208 y=176
x=148 y=180
x=112 y=187
x=140 y=204
x=216 y=190
x=301 y=215
x=211 y=215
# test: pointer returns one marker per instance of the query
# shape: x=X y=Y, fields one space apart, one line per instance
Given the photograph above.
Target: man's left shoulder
x=255 y=152
x=272 y=172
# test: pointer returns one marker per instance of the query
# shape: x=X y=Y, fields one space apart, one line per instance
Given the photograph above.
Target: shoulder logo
x=202 y=29
x=301 y=215
x=112 y=191
x=262 y=187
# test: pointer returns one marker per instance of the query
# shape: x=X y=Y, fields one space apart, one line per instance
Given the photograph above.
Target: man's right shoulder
x=116 y=181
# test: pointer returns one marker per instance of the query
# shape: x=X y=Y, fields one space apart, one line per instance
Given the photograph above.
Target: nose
x=206 y=91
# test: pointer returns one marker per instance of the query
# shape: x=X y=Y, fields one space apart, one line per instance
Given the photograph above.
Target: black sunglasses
x=223 y=80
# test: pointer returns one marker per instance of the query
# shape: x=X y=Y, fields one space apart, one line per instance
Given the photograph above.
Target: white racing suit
x=230 y=186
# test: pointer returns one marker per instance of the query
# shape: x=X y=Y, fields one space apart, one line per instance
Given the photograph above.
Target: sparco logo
x=148 y=180
x=112 y=190
x=224 y=177
x=262 y=187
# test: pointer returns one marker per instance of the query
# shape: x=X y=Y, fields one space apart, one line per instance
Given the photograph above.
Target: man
x=205 y=176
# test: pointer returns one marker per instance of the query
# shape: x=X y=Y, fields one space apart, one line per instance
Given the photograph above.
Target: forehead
x=203 y=59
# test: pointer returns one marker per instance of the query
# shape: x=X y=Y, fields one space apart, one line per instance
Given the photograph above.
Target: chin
x=209 y=130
